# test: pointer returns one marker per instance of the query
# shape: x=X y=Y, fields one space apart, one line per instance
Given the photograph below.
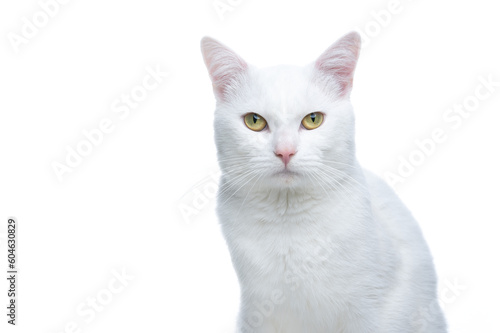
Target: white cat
x=318 y=244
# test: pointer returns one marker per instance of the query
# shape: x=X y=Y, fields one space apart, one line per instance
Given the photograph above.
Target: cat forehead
x=282 y=78
x=285 y=90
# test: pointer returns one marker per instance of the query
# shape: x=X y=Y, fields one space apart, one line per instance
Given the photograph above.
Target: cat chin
x=286 y=177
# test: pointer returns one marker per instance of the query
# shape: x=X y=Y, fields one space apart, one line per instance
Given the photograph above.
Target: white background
x=120 y=208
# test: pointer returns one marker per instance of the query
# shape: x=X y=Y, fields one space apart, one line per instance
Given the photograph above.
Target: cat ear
x=336 y=65
x=224 y=66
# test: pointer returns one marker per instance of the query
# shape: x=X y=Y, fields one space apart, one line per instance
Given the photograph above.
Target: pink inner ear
x=224 y=76
x=339 y=61
x=223 y=64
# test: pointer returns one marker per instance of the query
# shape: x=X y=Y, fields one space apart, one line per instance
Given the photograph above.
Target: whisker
x=235 y=182
x=343 y=174
x=255 y=174
x=250 y=190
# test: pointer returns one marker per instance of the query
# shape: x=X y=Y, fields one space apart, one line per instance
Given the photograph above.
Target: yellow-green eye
x=312 y=120
x=255 y=122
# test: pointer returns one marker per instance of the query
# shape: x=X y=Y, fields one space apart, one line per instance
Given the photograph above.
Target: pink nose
x=285 y=155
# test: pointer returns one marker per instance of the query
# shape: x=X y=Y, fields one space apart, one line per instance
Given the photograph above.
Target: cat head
x=284 y=125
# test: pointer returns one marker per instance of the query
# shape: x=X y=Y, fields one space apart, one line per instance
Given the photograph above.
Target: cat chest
x=287 y=257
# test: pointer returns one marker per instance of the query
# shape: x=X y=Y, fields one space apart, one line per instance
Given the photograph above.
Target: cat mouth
x=286 y=176
x=286 y=173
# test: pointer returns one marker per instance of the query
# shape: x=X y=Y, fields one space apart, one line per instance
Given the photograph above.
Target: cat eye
x=255 y=122
x=312 y=120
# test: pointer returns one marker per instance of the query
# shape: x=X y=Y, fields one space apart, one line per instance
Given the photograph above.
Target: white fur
x=323 y=246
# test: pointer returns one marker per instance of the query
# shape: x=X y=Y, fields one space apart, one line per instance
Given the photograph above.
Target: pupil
x=313 y=117
x=255 y=118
